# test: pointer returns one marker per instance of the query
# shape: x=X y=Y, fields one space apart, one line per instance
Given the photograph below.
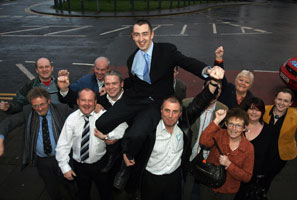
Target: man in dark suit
x=150 y=80
x=43 y=124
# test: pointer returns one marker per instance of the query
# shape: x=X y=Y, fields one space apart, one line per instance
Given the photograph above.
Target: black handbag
x=207 y=173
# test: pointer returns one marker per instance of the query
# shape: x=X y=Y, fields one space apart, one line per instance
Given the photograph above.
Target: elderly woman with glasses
x=238 y=153
x=237 y=94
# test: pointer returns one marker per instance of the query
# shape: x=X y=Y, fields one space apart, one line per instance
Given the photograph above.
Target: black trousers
x=55 y=184
x=145 y=115
x=160 y=187
x=86 y=174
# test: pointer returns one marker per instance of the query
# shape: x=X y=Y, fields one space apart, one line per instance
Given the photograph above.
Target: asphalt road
x=259 y=36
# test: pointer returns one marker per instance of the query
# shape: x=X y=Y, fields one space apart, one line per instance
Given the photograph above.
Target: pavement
x=16 y=184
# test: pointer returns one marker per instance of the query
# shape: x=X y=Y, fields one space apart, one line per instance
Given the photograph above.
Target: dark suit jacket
x=59 y=114
x=165 y=57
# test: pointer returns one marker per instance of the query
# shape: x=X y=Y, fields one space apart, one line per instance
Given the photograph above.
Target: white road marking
x=156 y=27
x=1 y=60
x=184 y=29
x=25 y=71
x=68 y=36
x=259 y=30
x=3 y=16
x=243 y=28
x=29 y=61
x=8 y=4
x=214 y=28
x=244 y=33
x=17 y=16
x=119 y=29
x=31 y=29
x=84 y=64
x=266 y=71
x=73 y=29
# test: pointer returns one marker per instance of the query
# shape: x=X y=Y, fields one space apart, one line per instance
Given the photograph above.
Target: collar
x=81 y=114
x=271 y=112
x=113 y=101
x=163 y=128
x=149 y=52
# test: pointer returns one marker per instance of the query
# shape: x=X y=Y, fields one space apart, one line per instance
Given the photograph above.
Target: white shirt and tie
x=71 y=137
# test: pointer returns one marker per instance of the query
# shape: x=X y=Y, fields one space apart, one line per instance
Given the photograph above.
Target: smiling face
x=40 y=105
x=283 y=101
x=254 y=113
x=113 y=86
x=242 y=84
x=86 y=101
x=142 y=36
x=235 y=127
x=44 y=69
x=100 y=68
x=170 y=113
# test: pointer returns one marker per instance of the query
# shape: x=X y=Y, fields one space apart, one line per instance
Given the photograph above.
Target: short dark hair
x=38 y=92
x=141 y=22
x=88 y=90
x=237 y=113
x=173 y=99
x=256 y=102
x=114 y=73
x=286 y=90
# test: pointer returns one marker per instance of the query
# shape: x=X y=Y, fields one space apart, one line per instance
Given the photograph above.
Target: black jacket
x=165 y=57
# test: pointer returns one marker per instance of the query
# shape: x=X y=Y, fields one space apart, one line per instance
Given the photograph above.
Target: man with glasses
x=44 y=69
x=43 y=124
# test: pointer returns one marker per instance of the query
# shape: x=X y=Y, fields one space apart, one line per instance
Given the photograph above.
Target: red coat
x=242 y=159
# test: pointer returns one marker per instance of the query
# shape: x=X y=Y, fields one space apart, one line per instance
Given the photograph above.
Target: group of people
x=139 y=135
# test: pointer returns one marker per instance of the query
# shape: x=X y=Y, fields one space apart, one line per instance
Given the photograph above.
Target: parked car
x=288 y=73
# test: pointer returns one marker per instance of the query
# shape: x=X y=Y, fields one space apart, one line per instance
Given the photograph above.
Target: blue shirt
x=39 y=145
x=139 y=62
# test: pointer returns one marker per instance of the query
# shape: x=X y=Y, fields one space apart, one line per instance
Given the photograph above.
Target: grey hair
x=248 y=74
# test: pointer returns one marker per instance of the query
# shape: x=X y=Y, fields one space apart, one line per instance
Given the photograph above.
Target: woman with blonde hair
x=235 y=95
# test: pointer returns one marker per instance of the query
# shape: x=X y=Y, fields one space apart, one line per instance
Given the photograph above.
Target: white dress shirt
x=166 y=155
x=70 y=137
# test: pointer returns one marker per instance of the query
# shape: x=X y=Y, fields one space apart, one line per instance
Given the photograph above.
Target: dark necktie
x=84 y=150
x=47 y=147
x=146 y=70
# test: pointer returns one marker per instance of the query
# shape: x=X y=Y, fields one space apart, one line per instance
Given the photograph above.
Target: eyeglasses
x=231 y=125
x=42 y=105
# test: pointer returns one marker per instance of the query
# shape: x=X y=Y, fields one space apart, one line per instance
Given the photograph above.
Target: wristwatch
x=106 y=137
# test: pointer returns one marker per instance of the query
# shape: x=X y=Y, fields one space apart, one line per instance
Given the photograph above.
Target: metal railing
x=58 y=4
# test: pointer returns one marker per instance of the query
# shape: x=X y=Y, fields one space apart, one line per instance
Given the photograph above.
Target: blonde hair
x=248 y=74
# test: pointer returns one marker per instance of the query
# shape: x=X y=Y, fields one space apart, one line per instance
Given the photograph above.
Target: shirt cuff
x=65 y=168
x=204 y=71
x=63 y=94
x=2 y=136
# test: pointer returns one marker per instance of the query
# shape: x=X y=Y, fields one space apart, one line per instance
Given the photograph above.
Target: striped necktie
x=84 y=150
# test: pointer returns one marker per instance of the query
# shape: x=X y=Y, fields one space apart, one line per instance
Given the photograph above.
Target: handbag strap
x=215 y=142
